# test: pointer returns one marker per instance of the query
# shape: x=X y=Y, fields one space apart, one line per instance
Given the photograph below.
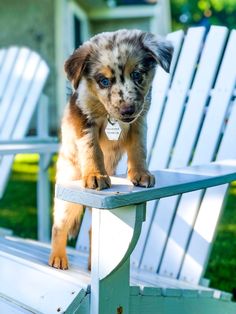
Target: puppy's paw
x=59 y=261
x=96 y=181
x=141 y=178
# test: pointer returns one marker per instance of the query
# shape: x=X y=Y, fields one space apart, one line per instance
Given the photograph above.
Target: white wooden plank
x=39 y=299
x=163 y=144
x=189 y=129
x=114 y=236
x=12 y=82
x=204 y=152
x=20 y=95
x=176 y=98
x=2 y=55
x=19 y=101
x=170 y=182
x=193 y=264
x=8 y=306
x=6 y=69
x=160 y=93
x=160 y=88
x=31 y=101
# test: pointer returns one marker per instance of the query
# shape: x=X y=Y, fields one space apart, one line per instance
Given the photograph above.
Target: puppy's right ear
x=75 y=65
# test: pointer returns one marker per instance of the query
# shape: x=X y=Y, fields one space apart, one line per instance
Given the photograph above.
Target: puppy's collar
x=111 y=120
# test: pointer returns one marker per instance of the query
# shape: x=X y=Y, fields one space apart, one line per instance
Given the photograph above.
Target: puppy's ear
x=161 y=50
x=75 y=65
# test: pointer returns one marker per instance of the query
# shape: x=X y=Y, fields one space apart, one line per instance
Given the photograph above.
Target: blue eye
x=105 y=82
x=136 y=76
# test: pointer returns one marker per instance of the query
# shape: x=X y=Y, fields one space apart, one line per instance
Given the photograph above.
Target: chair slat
x=11 y=87
x=176 y=98
x=25 y=76
x=6 y=69
x=160 y=86
x=2 y=55
x=182 y=84
x=169 y=123
x=31 y=100
x=204 y=152
x=20 y=95
x=210 y=210
x=188 y=133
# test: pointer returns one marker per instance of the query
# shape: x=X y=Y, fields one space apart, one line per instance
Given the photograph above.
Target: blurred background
x=54 y=28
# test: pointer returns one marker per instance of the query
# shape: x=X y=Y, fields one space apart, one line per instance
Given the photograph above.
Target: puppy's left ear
x=160 y=49
x=76 y=64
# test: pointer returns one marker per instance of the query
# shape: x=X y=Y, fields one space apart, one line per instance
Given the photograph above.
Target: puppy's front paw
x=59 y=261
x=141 y=178
x=96 y=181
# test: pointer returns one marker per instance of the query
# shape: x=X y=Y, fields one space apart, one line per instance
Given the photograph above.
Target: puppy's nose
x=127 y=110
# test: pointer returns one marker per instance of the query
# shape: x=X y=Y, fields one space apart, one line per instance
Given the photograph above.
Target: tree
x=203 y=12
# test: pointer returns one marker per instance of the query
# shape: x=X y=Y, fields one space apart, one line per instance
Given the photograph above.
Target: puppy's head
x=117 y=69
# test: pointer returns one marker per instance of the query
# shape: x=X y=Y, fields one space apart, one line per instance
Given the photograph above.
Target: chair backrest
x=197 y=125
x=192 y=120
x=23 y=74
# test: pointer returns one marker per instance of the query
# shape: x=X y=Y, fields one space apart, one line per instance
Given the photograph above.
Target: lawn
x=18 y=212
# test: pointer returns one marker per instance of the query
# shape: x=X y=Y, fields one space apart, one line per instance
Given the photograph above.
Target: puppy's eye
x=136 y=76
x=104 y=82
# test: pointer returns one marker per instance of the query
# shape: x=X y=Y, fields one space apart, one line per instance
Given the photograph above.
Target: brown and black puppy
x=111 y=75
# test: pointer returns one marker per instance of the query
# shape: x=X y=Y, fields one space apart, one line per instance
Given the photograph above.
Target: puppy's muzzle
x=127 y=113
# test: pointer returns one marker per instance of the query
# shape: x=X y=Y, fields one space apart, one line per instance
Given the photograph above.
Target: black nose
x=127 y=110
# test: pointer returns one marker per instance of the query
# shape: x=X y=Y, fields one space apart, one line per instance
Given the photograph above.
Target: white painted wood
x=160 y=88
x=194 y=265
x=2 y=55
x=23 y=75
x=8 y=149
x=115 y=234
x=8 y=307
x=10 y=75
x=204 y=152
x=170 y=182
x=176 y=98
x=195 y=108
x=29 y=289
x=162 y=147
x=6 y=68
x=25 y=78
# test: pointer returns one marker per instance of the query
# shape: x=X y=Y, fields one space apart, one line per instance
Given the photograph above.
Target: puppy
x=111 y=75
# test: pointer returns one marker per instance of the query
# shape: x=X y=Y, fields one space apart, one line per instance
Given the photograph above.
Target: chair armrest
x=112 y=246
x=28 y=147
x=169 y=182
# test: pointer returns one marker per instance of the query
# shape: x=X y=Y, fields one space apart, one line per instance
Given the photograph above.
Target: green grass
x=18 y=212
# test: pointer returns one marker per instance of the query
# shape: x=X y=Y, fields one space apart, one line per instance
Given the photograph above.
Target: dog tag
x=113 y=129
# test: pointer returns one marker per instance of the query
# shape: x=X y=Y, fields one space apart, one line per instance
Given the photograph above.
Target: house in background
x=54 y=28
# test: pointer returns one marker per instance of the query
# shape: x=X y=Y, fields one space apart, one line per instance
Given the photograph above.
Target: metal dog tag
x=113 y=129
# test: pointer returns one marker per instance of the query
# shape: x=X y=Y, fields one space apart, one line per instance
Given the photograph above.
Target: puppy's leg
x=67 y=217
x=136 y=150
x=94 y=174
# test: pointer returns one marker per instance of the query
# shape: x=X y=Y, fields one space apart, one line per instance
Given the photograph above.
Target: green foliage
x=203 y=12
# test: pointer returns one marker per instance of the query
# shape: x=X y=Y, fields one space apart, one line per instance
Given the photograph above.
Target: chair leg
x=43 y=199
x=115 y=233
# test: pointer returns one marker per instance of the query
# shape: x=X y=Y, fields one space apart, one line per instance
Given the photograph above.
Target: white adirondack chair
x=192 y=121
x=23 y=74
